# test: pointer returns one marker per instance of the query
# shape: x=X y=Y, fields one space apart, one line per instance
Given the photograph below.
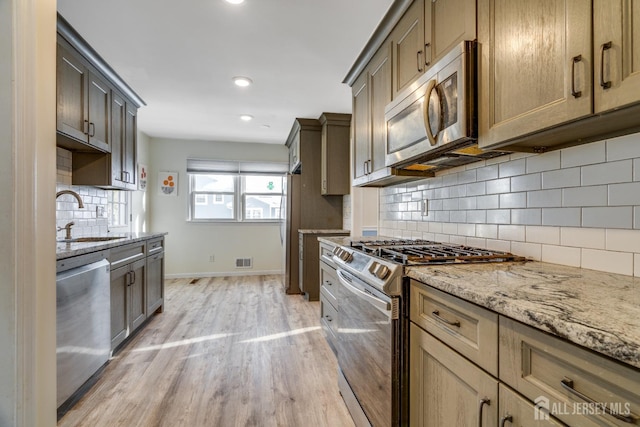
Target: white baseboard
x=223 y=274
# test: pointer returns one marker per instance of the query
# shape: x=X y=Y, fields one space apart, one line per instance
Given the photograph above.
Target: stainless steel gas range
x=373 y=330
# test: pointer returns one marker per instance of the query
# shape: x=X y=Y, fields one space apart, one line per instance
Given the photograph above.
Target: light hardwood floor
x=232 y=351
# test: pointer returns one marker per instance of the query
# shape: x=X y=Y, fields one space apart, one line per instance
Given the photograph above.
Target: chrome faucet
x=74 y=194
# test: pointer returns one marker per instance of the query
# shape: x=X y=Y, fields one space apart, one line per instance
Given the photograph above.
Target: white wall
x=578 y=206
x=140 y=199
x=189 y=246
x=27 y=213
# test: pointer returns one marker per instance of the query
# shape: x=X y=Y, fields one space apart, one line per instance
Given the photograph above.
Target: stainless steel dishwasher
x=83 y=323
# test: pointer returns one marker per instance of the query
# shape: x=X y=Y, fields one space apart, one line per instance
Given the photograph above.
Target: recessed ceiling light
x=246 y=117
x=235 y=1
x=242 y=81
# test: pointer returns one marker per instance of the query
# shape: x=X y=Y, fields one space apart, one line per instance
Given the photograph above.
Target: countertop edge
x=69 y=250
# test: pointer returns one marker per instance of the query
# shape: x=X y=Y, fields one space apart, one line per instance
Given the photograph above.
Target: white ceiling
x=180 y=58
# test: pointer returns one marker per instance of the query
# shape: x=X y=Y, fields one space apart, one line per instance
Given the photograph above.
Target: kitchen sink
x=89 y=239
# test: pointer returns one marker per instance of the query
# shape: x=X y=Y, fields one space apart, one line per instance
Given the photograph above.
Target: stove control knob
x=343 y=254
x=379 y=270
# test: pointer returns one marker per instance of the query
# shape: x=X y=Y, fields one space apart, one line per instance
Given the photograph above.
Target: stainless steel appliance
x=83 y=323
x=436 y=114
x=373 y=329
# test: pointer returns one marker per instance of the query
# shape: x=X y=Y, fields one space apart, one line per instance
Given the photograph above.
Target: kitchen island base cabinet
x=155 y=276
x=128 y=305
x=445 y=388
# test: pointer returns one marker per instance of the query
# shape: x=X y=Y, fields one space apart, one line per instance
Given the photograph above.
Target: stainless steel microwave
x=437 y=113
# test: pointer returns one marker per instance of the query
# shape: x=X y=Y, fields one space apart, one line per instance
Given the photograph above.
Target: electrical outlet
x=100 y=212
x=212 y=258
x=425 y=207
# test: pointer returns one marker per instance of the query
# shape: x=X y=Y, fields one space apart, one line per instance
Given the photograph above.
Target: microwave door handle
x=430 y=87
x=381 y=305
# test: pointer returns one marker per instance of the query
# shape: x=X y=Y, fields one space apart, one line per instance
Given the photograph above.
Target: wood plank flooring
x=227 y=351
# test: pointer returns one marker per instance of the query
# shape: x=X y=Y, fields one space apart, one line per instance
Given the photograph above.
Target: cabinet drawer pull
x=427 y=45
x=504 y=420
x=85 y=127
x=419 y=60
x=483 y=402
x=439 y=318
x=574 y=92
x=567 y=384
x=328 y=318
x=92 y=129
x=603 y=47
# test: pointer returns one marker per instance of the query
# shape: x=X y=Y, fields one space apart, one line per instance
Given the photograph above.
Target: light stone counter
x=597 y=310
x=66 y=250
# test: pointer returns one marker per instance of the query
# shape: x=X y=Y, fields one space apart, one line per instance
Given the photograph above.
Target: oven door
x=365 y=352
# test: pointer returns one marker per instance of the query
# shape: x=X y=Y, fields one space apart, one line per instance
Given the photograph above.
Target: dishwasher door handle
x=381 y=305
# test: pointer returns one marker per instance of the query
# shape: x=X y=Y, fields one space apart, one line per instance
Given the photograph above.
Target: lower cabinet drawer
x=329 y=281
x=576 y=385
x=517 y=411
x=470 y=330
x=329 y=320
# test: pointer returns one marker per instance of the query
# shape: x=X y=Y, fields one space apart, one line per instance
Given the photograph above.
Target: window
x=118 y=208
x=235 y=191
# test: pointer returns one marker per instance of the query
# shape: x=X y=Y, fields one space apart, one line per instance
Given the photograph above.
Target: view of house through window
x=241 y=196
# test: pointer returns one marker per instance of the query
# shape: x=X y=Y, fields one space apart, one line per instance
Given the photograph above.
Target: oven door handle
x=381 y=305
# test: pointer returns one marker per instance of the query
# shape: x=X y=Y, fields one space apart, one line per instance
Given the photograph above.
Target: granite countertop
x=597 y=310
x=322 y=231
x=67 y=250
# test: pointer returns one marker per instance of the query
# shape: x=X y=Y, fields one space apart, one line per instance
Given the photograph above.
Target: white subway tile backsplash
x=593 y=238
x=467 y=230
x=586 y=154
x=526 y=182
x=636 y=217
x=487 y=172
x=467 y=176
x=487 y=231
x=468 y=203
x=562 y=255
x=612 y=262
x=488 y=202
x=499 y=216
x=499 y=245
x=543 y=162
x=547 y=235
x=458 y=216
x=435 y=227
x=512 y=168
x=476 y=216
x=449 y=228
x=442 y=237
x=476 y=189
x=512 y=232
x=442 y=216
x=570 y=217
x=636 y=169
x=623 y=240
x=624 y=194
x=513 y=200
x=450 y=204
x=458 y=240
x=531 y=251
x=561 y=178
x=526 y=216
x=477 y=242
x=584 y=196
x=623 y=147
x=607 y=173
x=499 y=186
x=544 y=198
x=608 y=217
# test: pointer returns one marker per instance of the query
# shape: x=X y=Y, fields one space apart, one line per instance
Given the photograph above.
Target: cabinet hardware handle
x=369 y=169
x=603 y=47
x=92 y=129
x=427 y=45
x=567 y=384
x=504 y=420
x=134 y=277
x=436 y=314
x=575 y=59
x=328 y=317
x=127 y=280
x=419 y=59
x=483 y=402
x=85 y=125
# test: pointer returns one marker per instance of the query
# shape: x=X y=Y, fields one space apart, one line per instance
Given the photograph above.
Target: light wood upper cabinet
x=407 y=40
x=334 y=155
x=447 y=23
x=371 y=94
x=535 y=66
x=616 y=53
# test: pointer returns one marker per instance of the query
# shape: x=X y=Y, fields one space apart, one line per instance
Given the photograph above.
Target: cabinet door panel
x=130 y=146
x=522 y=412
x=119 y=291
x=614 y=21
x=99 y=112
x=118 y=111
x=446 y=24
x=361 y=127
x=137 y=302
x=155 y=282
x=445 y=388
x=527 y=71
x=408 y=47
x=380 y=97
x=72 y=109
